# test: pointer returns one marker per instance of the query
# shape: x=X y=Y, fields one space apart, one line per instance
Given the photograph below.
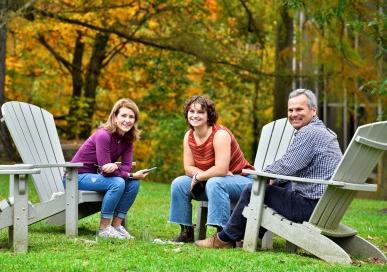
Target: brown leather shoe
x=214 y=242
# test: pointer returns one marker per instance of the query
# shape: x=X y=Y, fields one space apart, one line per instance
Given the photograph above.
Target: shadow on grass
x=45 y=228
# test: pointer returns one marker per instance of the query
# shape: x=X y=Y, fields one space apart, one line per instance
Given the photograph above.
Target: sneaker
x=214 y=242
x=123 y=232
x=110 y=232
x=186 y=235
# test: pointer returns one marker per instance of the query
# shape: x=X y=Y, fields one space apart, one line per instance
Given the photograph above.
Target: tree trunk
x=8 y=151
x=92 y=76
x=77 y=79
x=283 y=63
x=256 y=126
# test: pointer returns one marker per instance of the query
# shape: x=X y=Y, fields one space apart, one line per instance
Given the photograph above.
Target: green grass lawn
x=51 y=250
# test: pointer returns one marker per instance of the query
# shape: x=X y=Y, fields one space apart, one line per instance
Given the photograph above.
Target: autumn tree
x=81 y=56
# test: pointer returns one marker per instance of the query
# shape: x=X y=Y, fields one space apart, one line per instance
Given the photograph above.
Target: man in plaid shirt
x=314 y=154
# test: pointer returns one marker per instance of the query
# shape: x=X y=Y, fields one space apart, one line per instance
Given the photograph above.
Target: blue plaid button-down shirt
x=314 y=153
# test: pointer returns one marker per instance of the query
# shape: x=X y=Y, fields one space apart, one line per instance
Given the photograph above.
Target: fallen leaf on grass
x=85 y=241
x=383 y=211
x=375 y=260
x=177 y=250
x=161 y=242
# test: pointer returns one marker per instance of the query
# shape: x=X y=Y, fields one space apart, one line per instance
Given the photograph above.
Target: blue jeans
x=119 y=193
x=220 y=191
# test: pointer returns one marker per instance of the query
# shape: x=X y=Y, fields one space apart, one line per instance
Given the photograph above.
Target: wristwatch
x=130 y=175
x=196 y=178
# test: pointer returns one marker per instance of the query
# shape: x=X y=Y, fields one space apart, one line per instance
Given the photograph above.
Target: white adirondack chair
x=34 y=132
x=324 y=236
x=273 y=143
x=16 y=211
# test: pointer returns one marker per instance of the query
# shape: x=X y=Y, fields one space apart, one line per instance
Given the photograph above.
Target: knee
x=134 y=186
x=117 y=184
x=213 y=184
x=179 y=184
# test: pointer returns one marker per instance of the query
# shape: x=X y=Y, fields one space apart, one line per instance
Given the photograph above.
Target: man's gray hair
x=312 y=100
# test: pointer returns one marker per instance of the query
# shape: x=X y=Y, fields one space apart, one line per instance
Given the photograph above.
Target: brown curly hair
x=206 y=104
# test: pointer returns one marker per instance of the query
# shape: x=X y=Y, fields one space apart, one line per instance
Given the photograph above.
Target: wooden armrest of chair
x=15 y=166
x=341 y=184
x=18 y=169
x=66 y=164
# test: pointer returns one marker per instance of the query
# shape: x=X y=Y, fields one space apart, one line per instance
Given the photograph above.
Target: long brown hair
x=133 y=134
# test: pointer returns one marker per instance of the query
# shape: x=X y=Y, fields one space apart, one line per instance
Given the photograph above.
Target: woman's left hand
x=141 y=174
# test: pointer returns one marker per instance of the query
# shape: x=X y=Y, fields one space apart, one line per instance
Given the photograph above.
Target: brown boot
x=214 y=242
x=186 y=235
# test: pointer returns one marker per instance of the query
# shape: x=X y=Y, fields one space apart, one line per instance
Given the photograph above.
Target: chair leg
x=201 y=228
x=267 y=240
x=20 y=217
x=253 y=214
x=72 y=202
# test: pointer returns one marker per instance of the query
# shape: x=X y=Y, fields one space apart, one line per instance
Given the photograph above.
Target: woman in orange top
x=212 y=157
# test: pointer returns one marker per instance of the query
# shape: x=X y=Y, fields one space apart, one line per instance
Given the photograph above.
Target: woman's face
x=124 y=120
x=197 y=116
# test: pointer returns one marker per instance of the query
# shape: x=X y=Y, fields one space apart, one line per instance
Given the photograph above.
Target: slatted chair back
x=363 y=153
x=34 y=133
x=275 y=139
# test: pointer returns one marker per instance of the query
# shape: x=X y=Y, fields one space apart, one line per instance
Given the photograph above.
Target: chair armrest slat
x=67 y=165
x=291 y=178
x=371 y=143
x=341 y=184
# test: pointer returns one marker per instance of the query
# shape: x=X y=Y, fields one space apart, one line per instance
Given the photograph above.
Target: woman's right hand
x=109 y=168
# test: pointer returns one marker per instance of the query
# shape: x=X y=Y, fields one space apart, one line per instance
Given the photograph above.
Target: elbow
x=187 y=171
x=222 y=171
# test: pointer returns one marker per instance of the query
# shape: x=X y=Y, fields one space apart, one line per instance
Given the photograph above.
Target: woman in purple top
x=113 y=140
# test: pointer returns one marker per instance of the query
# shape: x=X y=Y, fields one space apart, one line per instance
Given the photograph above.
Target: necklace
x=201 y=140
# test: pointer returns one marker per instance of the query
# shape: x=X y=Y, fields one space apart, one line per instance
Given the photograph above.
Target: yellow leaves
x=196 y=72
x=231 y=21
x=153 y=25
x=194 y=91
x=14 y=62
x=213 y=7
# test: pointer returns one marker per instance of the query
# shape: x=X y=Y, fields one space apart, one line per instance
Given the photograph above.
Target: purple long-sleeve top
x=104 y=147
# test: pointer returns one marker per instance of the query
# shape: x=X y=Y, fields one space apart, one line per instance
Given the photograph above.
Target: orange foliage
x=196 y=72
x=213 y=7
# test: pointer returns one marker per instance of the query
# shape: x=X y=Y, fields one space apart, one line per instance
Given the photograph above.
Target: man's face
x=299 y=113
